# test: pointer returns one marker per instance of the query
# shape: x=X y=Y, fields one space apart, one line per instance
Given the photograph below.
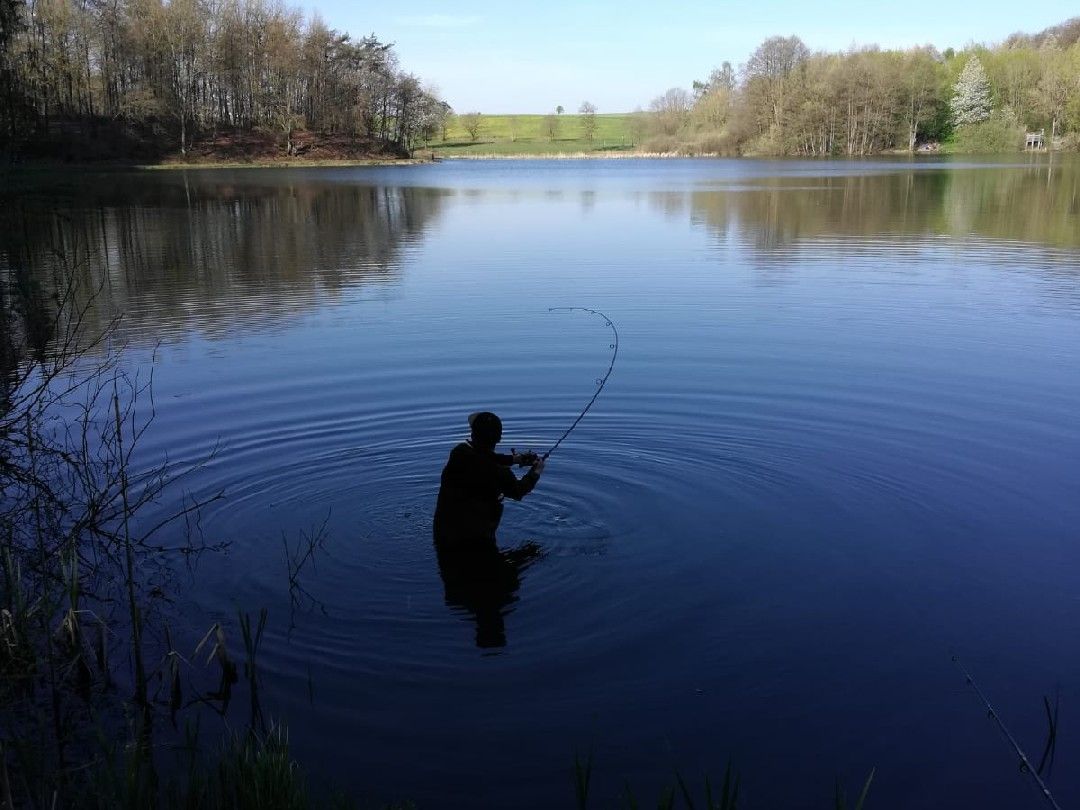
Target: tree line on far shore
x=789 y=100
x=173 y=72
x=182 y=69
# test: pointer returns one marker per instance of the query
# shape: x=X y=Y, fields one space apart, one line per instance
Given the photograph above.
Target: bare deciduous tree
x=551 y=126
x=771 y=71
x=587 y=111
x=922 y=76
x=639 y=124
x=671 y=111
x=472 y=123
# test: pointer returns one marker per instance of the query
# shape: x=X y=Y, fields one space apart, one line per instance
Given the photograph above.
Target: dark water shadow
x=485 y=585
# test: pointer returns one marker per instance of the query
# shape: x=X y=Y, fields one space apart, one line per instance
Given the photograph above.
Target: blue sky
x=523 y=56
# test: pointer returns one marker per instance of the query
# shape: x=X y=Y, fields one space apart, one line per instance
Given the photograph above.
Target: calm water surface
x=841 y=443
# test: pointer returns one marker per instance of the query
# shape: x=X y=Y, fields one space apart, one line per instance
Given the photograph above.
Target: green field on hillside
x=528 y=135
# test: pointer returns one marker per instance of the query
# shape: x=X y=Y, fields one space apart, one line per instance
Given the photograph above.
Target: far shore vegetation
x=254 y=82
x=790 y=101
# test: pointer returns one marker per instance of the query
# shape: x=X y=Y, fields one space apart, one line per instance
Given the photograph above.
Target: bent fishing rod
x=991 y=712
x=601 y=382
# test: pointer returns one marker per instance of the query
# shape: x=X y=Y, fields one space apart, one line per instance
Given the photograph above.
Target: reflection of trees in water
x=671 y=204
x=174 y=255
x=1034 y=205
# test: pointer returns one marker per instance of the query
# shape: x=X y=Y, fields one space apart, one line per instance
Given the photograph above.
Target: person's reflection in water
x=485 y=583
x=476 y=574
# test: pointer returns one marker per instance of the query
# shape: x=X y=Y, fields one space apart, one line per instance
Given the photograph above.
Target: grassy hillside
x=527 y=135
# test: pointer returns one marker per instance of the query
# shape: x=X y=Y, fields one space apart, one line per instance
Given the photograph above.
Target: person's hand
x=537 y=467
x=524 y=459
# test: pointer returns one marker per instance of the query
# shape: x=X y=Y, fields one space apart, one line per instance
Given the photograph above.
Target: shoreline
x=432 y=156
x=623 y=155
x=53 y=166
x=281 y=164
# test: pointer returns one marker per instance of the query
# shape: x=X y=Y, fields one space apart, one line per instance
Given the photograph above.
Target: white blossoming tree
x=971 y=103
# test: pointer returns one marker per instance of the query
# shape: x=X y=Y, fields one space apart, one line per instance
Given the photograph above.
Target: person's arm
x=515 y=458
x=517 y=488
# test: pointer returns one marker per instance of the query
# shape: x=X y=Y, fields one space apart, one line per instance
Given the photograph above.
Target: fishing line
x=600 y=383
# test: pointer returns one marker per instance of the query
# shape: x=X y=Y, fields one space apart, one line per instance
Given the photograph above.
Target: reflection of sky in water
x=840 y=442
x=216 y=248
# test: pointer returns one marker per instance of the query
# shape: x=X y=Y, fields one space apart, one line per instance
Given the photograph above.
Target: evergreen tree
x=971 y=102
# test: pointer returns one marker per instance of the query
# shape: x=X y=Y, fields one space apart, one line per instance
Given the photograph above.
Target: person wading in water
x=474 y=483
x=476 y=574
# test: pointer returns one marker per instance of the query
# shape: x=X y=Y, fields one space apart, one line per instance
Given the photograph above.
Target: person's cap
x=484 y=419
x=485 y=423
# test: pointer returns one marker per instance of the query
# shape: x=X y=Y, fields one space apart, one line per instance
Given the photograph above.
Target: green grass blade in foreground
x=865 y=790
x=729 y=795
x=841 y=796
x=684 y=790
x=582 y=776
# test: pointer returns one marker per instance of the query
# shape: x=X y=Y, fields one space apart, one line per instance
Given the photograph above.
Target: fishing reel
x=527 y=457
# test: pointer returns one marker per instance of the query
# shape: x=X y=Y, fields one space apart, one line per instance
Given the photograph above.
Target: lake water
x=840 y=444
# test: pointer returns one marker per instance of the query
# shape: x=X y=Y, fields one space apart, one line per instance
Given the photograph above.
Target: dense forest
x=789 y=100
x=85 y=79
x=147 y=75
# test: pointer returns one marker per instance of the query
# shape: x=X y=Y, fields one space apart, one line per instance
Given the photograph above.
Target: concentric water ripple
x=840 y=441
